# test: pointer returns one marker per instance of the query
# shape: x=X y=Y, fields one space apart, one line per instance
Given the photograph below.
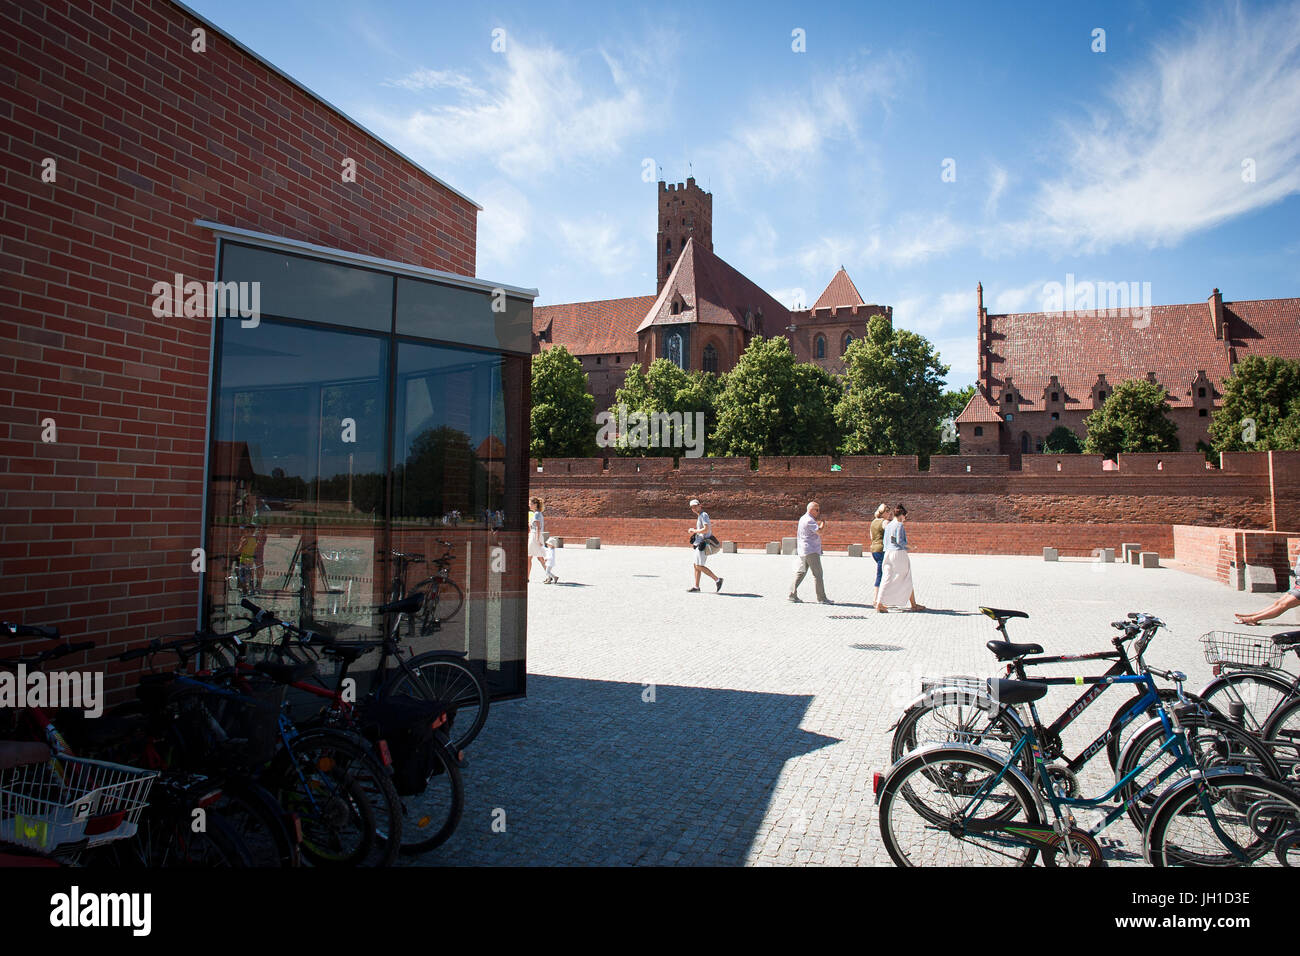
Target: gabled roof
x=839 y=292
x=712 y=292
x=604 y=327
x=1264 y=327
x=979 y=409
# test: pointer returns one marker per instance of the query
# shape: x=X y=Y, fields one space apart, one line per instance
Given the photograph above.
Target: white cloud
x=1163 y=158
x=600 y=243
x=1022 y=298
x=536 y=109
x=998 y=186
x=503 y=226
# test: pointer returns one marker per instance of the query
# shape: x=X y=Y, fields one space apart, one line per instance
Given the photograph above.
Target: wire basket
x=1241 y=650
x=964 y=683
x=67 y=800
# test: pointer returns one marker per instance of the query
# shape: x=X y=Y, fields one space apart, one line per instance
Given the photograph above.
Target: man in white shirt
x=810 y=554
x=703 y=528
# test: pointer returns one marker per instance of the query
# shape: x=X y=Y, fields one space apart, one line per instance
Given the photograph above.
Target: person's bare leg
x=698 y=569
x=1278 y=607
x=541 y=563
x=915 y=607
x=703 y=569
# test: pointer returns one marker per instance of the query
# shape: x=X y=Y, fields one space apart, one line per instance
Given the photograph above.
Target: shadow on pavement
x=588 y=772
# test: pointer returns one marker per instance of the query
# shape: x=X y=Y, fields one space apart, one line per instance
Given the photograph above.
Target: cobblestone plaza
x=668 y=728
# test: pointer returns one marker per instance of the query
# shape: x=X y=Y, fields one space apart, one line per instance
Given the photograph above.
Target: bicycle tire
x=166 y=839
x=431 y=817
x=1176 y=811
x=1208 y=736
x=359 y=791
x=447 y=599
x=449 y=678
x=1260 y=695
x=261 y=822
x=1116 y=741
x=999 y=733
x=901 y=796
x=1282 y=733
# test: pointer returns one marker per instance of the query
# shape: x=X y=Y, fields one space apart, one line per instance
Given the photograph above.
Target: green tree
x=894 y=402
x=1261 y=407
x=664 y=388
x=1135 y=418
x=772 y=405
x=954 y=404
x=563 y=417
x=1062 y=441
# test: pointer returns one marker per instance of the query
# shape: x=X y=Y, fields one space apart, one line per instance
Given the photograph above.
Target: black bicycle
x=443 y=597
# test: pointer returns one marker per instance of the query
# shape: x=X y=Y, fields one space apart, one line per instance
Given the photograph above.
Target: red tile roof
x=713 y=293
x=979 y=409
x=605 y=327
x=839 y=292
x=1264 y=327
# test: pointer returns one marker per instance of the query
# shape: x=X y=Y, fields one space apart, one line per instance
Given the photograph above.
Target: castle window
x=677 y=308
x=1101 y=397
x=597 y=359
x=710 y=360
x=618 y=360
x=848 y=340
x=1056 y=416
x=683 y=222
x=674 y=350
x=820 y=347
x=668 y=245
x=1200 y=393
x=1205 y=413
x=1056 y=396
x=979 y=431
x=1010 y=417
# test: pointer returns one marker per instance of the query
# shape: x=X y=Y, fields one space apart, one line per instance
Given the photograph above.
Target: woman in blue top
x=896 y=579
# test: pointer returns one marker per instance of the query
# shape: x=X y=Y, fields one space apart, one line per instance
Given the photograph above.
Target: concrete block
x=593 y=544
x=1149 y=559
x=1135 y=557
x=855 y=551
x=1125 y=549
x=1260 y=579
x=559 y=542
x=1106 y=555
x=774 y=547
x=728 y=547
x=1051 y=554
x=788 y=545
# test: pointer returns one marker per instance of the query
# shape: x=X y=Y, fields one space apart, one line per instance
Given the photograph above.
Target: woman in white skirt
x=896 y=580
x=536 y=533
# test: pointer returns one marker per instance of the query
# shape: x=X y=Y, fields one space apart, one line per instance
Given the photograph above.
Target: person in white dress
x=536 y=534
x=896 y=578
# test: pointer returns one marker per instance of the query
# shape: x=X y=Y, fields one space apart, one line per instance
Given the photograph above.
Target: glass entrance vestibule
x=368 y=428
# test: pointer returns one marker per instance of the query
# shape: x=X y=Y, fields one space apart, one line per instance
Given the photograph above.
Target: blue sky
x=1117 y=166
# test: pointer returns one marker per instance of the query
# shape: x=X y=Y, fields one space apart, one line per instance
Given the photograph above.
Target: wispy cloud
x=997 y=186
x=1163 y=157
x=601 y=243
x=425 y=79
x=503 y=226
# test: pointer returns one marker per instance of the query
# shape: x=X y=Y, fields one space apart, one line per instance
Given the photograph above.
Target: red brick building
x=143 y=146
x=705 y=310
x=1041 y=370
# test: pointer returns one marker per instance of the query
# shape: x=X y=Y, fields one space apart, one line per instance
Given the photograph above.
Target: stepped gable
x=603 y=327
x=708 y=291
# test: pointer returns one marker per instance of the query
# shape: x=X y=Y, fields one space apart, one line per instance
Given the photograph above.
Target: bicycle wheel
x=167 y=838
x=350 y=813
x=1259 y=695
x=931 y=816
x=1258 y=816
x=445 y=601
x=1215 y=743
x=430 y=817
x=437 y=675
x=1121 y=733
x=955 y=721
x=261 y=823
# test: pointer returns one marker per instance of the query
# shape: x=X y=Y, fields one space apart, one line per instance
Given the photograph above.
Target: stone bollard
x=559 y=542
x=1106 y=555
x=1126 y=549
x=593 y=544
x=788 y=545
x=1135 y=557
x=1051 y=554
x=1260 y=579
x=774 y=547
x=728 y=547
x=1149 y=559
x=855 y=551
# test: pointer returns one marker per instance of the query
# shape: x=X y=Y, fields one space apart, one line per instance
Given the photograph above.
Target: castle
x=703 y=313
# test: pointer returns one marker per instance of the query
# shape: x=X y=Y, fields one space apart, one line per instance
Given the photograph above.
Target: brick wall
x=148 y=136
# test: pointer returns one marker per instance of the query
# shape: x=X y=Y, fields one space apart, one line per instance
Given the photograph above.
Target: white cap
x=694 y=502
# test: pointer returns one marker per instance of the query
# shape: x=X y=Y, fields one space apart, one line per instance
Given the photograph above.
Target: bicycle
x=960 y=717
x=984 y=805
x=1249 y=679
x=439 y=606
x=433 y=794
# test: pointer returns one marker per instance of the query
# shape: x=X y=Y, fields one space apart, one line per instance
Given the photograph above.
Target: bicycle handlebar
x=263 y=618
x=12 y=630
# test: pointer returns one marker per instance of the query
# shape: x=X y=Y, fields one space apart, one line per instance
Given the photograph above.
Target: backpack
x=406 y=724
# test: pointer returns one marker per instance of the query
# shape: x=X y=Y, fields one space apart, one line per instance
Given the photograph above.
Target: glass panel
x=296 y=287
x=297 y=477
x=430 y=310
x=450 y=500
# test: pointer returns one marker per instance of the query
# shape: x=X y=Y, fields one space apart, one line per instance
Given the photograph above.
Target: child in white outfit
x=551 y=576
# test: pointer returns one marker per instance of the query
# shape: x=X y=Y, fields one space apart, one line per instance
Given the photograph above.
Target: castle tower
x=685 y=212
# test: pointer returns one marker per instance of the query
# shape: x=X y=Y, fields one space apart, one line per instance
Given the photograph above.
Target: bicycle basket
x=957 y=682
x=70 y=800
x=1242 y=650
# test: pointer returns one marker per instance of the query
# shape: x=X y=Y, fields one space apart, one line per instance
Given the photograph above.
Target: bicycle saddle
x=1286 y=638
x=287 y=673
x=1006 y=651
x=1016 y=691
x=1002 y=615
x=407 y=605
